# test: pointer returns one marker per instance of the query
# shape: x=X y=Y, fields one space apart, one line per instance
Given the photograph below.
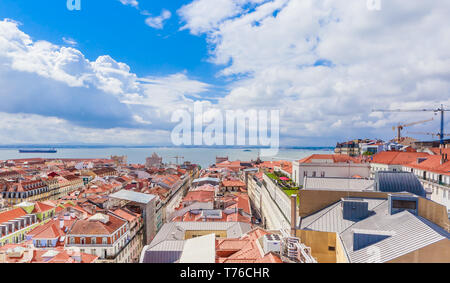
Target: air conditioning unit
x=272 y=243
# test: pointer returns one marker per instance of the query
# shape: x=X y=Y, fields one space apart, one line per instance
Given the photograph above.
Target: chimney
x=293 y=215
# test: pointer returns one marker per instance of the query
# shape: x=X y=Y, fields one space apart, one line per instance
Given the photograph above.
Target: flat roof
x=133 y=196
x=199 y=250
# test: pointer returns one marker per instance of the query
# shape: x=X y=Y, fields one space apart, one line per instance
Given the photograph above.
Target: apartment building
x=328 y=165
x=433 y=171
x=103 y=235
x=393 y=160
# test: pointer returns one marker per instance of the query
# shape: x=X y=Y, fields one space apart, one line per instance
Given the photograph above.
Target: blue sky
x=116 y=70
x=109 y=27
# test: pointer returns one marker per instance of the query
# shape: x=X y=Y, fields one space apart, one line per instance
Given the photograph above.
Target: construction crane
x=436 y=111
x=428 y=134
x=178 y=158
x=401 y=127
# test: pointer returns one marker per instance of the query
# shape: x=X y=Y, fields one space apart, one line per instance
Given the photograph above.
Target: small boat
x=38 y=150
x=247 y=150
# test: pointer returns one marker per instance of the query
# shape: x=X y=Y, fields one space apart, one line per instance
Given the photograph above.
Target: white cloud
x=32 y=127
x=205 y=15
x=394 y=58
x=132 y=3
x=158 y=22
x=91 y=95
x=70 y=41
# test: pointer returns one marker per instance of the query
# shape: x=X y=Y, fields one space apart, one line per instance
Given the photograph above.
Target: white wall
x=344 y=170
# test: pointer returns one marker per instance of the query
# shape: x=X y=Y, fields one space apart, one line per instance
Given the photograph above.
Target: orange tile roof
x=432 y=164
x=41 y=207
x=244 y=250
x=337 y=158
x=87 y=227
x=126 y=215
x=233 y=183
x=12 y=214
x=200 y=196
x=397 y=157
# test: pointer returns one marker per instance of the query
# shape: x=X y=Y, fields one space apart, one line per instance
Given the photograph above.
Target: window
x=330 y=248
x=105 y=241
x=405 y=204
x=93 y=240
x=314 y=174
x=83 y=241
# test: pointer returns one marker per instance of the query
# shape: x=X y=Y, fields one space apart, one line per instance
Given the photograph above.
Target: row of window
x=313 y=174
x=93 y=240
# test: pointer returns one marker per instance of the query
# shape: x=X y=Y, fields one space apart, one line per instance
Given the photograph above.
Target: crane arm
x=419 y=122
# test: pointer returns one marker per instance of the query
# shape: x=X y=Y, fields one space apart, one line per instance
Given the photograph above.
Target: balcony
x=434 y=182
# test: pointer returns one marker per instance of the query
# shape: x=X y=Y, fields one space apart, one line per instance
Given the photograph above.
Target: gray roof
x=331 y=219
x=387 y=181
x=206 y=179
x=404 y=232
x=168 y=244
x=409 y=233
x=342 y=184
x=133 y=196
x=176 y=230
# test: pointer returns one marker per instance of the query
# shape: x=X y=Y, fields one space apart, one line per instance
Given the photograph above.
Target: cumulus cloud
x=327 y=64
x=158 y=22
x=47 y=80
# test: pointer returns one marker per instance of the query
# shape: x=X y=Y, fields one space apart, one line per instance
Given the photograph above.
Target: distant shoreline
x=144 y=146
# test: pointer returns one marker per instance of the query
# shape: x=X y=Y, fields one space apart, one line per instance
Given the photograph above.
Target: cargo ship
x=38 y=150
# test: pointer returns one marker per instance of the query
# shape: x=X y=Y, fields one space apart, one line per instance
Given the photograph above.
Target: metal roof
x=206 y=179
x=175 y=230
x=133 y=196
x=331 y=219
x=405 y=232
x=199 y=250
x=169 y=243
x=343 y=184
x=387 y=181
x=408 y=233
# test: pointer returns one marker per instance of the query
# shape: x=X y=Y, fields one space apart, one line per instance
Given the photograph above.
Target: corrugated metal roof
x=176 y=230
x=409 y=233
x=170 y=239
x=331 y=219
x=344 y=184
x=399 y=182
x=406 y=232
